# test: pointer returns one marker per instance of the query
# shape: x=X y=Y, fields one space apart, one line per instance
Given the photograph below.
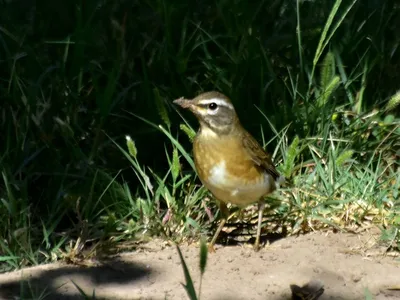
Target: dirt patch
x=346 y=264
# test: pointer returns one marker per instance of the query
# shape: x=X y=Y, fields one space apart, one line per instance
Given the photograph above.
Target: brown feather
x=258 y=154
x=229 y=161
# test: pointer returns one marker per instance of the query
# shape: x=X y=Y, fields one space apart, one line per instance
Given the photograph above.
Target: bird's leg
x=224 y=216
x=261 y=205
x=240 y=214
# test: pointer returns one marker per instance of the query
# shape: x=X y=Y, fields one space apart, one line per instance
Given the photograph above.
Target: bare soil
x=348 y=265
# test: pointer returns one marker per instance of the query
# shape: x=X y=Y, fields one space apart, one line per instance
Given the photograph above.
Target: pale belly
x=228 y=172
x=231 y=189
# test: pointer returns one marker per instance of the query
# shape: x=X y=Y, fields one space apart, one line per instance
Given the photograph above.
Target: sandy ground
x=346 y=264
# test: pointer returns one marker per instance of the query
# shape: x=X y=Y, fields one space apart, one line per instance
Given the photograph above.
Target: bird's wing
x=258 y=155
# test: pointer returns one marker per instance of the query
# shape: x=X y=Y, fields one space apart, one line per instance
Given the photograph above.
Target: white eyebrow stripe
x=217 y=101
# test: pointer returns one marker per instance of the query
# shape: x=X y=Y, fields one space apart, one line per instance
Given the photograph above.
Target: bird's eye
x=212 y=106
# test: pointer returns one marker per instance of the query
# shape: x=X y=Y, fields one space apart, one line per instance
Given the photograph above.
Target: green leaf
x=193 y=223
x=176 y=166
x=172 y=139
x=330 y=88
x=291 y=156
x=389 y=119
x=131 y=146
x=189 y=287
x=189 y=131
x=203 y=255
x=162 y=110
x=325 y=37
x=393 y=102
x=7 y=258
x=368 y=295
x=342 y=158
x=179 y=147
x=327 y=70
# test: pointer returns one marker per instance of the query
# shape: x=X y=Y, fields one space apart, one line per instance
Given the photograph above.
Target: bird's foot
x=211 y=248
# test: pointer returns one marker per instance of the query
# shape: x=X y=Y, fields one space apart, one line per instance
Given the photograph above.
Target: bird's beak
x=191 y=105
x=184 y=103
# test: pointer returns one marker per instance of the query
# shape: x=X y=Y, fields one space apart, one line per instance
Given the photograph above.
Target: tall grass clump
x=319 y=78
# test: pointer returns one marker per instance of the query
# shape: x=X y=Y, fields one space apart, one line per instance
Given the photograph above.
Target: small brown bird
x=229 y=161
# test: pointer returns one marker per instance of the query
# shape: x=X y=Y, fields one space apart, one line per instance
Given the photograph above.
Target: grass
x=320 y=92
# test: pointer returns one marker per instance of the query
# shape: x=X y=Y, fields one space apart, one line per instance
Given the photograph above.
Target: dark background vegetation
x=73 y=73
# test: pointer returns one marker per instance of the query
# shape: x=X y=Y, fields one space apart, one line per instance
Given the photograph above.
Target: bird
x=228 y=160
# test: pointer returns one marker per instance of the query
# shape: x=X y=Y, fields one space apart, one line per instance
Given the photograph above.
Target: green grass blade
x=179 y=147
x=189 y=287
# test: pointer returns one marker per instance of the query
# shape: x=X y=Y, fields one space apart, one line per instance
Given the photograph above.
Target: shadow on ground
x=340 y=261
x=243 y=233
x=56 y=283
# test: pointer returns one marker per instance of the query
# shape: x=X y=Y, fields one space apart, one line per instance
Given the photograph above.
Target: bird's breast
x=228 y=171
